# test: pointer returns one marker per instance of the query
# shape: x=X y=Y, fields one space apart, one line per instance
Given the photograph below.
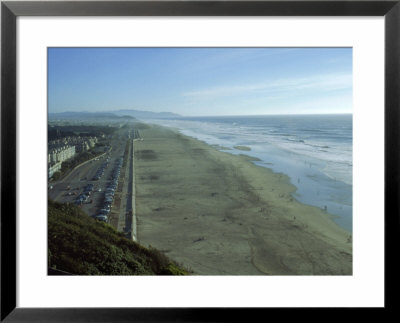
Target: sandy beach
x=219 y=214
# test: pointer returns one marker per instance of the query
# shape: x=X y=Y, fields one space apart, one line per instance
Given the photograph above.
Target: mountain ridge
x=117 y=114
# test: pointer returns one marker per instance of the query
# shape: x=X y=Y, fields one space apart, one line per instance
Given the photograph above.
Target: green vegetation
x=81 y=245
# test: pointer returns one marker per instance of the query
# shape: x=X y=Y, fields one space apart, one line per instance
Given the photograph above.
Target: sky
x=201 y=81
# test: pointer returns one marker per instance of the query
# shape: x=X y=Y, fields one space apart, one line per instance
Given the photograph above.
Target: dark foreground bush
x=81 y=245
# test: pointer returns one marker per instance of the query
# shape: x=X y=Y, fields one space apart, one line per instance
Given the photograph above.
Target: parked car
x=101 y=217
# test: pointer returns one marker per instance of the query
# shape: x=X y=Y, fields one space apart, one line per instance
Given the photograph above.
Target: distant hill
x=81 y=245
x=113 y=115
x=84 y=115
x=139 y=114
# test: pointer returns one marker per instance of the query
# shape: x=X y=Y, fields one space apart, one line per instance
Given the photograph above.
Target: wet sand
x=219 y=214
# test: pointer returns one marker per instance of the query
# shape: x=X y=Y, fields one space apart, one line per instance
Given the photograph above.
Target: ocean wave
x=312 y=146
x=318 y=161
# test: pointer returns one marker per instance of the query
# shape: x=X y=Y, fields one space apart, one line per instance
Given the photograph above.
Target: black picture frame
x=11 y=10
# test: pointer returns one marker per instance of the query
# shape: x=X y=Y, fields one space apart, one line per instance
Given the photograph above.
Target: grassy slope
x=81 y=245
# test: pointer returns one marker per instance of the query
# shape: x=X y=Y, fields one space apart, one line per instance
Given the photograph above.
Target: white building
x=58 y=155
x=54 y=168
x=61 y=154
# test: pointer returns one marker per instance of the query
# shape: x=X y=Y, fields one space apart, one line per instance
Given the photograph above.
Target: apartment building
x=57 y=155
x=63 y=149
x=60 y=154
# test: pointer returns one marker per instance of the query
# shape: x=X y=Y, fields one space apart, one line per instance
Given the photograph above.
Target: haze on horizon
x=201 y=81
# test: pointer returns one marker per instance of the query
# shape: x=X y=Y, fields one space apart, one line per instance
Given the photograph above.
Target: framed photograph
x=181 y=160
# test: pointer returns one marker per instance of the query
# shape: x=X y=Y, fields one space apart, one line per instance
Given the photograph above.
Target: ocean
x=315 y=151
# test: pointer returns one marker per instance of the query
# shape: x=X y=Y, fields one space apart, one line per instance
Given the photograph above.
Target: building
x=61 y=154
x=57 y=156
x=54 y=168
x=63 y=149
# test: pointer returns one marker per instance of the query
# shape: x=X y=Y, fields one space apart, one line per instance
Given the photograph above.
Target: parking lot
x=93 y=186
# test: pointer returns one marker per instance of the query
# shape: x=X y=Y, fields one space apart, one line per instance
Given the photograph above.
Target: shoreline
x=320 y=181
x=340 y=215
x=221 y=214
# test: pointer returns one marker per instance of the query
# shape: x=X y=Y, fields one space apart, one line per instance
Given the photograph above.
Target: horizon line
x=219 y=115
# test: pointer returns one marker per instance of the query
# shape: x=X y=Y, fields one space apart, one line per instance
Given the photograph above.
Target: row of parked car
x=109 y=192
x=100 y=171
x=84 y=196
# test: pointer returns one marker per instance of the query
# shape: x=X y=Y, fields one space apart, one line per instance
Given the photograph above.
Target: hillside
x=84 y=115
x=116 y=115
x=81 y=245
x=140 y=114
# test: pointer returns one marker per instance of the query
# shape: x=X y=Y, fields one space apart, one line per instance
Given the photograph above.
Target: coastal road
x=67 y=189
x=130 y=220
x=127 y=212
x=123 y=214
x=133 y=195
x=121 y=225
x=76 y=180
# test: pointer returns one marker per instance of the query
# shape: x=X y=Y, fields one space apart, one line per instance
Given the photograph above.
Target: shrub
x=81 y=245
